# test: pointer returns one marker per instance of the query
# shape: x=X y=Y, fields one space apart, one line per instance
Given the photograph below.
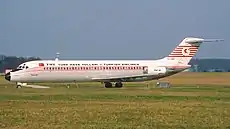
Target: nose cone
x=7 y=76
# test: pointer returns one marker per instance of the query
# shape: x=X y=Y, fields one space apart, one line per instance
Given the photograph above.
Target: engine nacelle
x=157 y=70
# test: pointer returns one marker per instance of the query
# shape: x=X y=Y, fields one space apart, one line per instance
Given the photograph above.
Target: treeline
x=11 y=62
x=211 y=65
x=203 y=65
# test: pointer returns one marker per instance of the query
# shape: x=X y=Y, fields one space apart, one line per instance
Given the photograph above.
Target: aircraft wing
x=120 y=78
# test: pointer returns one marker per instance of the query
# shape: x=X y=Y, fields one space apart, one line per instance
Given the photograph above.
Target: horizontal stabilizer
x=200 y=40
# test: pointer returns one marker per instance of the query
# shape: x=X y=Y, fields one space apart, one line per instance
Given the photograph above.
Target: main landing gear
x=110 y=85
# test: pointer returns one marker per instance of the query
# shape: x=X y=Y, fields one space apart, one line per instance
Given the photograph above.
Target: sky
x=111 y=29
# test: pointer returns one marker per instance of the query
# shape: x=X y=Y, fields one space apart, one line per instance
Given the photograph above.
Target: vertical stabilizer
x=187 y=49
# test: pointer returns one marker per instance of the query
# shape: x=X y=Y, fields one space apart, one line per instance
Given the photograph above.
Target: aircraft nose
x=7 y=76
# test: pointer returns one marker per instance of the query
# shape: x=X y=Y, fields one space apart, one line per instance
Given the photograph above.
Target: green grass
x=197 y=104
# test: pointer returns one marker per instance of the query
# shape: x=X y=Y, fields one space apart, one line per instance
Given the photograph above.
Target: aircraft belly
x=46 y=76
x=66 y=76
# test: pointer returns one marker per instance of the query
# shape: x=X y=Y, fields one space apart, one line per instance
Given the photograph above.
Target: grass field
x=195 y=100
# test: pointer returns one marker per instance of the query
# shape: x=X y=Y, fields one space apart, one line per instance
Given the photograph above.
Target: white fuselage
x=84 y=71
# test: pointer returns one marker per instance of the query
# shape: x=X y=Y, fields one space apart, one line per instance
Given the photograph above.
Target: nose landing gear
x=19 y=84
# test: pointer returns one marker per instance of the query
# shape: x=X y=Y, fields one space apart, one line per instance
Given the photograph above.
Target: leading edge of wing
x=118 y=78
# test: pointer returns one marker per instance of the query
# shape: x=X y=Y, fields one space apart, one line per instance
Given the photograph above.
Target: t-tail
x=186 y=50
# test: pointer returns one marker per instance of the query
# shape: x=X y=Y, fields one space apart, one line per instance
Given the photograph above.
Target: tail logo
x=186 y=51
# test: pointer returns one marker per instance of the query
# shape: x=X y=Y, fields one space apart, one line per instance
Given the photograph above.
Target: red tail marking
x=184 y=51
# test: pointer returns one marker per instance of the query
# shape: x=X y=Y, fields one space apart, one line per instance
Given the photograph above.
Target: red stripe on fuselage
x=82 y=68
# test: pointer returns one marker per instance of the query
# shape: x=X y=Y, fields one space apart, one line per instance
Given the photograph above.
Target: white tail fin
x=188 y=48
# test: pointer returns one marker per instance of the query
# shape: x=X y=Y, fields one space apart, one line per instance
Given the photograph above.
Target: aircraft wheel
x=18 y=86
x=118 y=85
x=108 y=85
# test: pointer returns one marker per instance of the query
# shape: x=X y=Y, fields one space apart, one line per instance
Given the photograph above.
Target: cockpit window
x=22 y=66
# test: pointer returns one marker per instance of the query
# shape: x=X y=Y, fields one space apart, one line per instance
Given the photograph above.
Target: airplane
x=108 y=71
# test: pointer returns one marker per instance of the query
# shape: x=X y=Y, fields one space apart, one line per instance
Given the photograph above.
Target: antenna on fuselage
x=57 y=56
